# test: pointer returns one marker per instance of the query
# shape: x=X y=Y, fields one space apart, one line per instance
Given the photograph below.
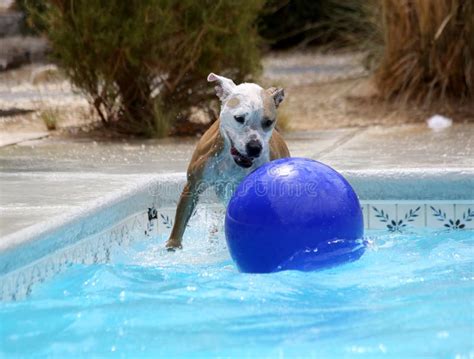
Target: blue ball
x=293 y=213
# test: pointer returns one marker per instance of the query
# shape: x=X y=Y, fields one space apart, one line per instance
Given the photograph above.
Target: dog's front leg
x=186 y=204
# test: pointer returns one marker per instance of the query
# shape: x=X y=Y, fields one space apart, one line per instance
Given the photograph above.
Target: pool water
x=409 y=295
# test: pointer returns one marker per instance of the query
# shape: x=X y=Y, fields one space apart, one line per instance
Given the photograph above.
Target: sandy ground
x=322 y=92
x=32 y=94
x=335 y=91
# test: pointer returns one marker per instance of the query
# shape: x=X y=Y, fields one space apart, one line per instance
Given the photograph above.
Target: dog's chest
x=224 y=174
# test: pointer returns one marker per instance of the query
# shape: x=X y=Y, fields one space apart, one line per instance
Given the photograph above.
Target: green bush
x=142 y=63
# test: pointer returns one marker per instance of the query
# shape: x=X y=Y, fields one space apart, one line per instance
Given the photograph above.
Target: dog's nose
x=254 y=147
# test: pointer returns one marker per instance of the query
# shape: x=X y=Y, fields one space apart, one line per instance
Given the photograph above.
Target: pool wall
x=390 y=200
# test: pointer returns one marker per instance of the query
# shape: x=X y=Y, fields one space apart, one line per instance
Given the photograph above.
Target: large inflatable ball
x=293 y=213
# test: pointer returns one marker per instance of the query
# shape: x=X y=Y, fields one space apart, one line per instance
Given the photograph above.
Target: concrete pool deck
x=41 y=179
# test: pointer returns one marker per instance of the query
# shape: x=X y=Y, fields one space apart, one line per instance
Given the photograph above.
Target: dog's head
x=248 y=117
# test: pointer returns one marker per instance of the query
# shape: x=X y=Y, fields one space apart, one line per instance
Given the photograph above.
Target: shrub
x=428 y=50
x=50 y=118
x=141 y=63
x=33 y=11
x=421 y=50
x=333 y=23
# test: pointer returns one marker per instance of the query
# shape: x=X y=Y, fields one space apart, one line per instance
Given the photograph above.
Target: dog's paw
x=173 y=244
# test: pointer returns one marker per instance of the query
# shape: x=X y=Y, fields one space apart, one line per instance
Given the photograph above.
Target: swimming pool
x=98 y=282
x=410 y=295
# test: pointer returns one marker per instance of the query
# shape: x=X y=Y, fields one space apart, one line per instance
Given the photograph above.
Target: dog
x=241 y=140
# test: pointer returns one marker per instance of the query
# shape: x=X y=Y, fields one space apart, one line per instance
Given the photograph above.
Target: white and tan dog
x=242 y=139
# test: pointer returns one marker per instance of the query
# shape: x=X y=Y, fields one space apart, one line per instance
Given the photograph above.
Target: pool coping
x=379 y=190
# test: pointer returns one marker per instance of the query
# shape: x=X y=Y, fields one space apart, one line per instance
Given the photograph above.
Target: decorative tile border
x=402 y=215
x=396 y=216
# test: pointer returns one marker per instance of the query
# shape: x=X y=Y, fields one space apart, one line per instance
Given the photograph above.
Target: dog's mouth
x=240 y=159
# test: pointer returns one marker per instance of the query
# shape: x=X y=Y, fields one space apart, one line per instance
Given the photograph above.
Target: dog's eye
x=267 y=123
x=240 y=119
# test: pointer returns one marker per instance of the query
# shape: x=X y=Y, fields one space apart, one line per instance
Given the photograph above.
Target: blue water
x=410 y=295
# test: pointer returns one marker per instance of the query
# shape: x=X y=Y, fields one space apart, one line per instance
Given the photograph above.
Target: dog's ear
x=278 y=94
x=224 y=85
